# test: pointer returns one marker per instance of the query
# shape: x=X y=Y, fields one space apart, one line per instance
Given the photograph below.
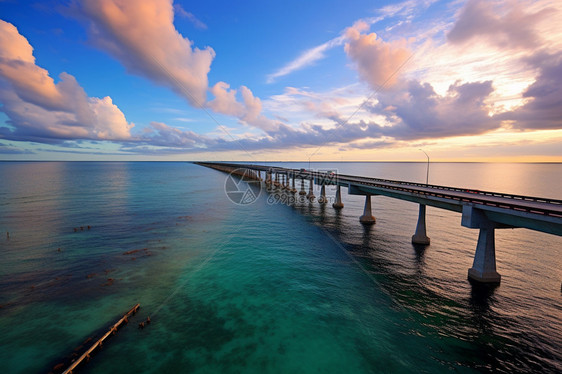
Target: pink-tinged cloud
x=378 y=62
x=17 y=65
x=416 y=112
x=225 y=100
x=248 y=110
x=142 y=36
x=505 y=24
x=40 y=110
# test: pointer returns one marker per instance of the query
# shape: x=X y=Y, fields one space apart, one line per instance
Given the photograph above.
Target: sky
x=298 y=80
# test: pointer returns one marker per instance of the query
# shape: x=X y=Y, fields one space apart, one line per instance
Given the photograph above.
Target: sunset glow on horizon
x=174 y=80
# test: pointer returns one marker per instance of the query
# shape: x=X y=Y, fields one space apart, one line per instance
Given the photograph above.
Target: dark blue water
x=266 y=288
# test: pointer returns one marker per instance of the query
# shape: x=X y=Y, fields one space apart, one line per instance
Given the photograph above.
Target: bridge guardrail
x=395 y=185
x=503 y=205
x=457 y=189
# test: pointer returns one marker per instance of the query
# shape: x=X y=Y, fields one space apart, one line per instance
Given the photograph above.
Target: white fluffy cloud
x=40 y=109
x=142 y=36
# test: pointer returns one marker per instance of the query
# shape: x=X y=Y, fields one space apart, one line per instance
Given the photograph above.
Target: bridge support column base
x=367 y=217
x=310 y=195
x=322 y=199
x=338 y=204
x=484 y=266
x=420 y=236
x=420 y=239
x=367 y=220
x=492 y=277
x=302 y=192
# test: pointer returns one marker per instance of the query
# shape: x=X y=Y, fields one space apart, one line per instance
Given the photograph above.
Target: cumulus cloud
x=40 y=109
x=504 y=24
x=314 y=54
x=161 y=138
x=225 y=100
x=142 y=36
x=248 y=110
x=415 y=112
x=378 y=62
x=523 y=33
x=17 y=64
x=419 y=112
x=543 y=109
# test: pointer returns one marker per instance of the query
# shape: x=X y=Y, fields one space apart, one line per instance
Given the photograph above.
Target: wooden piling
x=86 y=355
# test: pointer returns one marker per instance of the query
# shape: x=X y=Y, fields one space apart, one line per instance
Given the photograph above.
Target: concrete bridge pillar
x=338 y=204
x=268 y=177
x=293 y=189
x=310 y=195
x=483 y=268
x=302 y=191
x=420 y=236
x=367 y=217
x=322 y=199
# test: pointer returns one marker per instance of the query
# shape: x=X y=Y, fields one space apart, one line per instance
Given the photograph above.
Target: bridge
x=483 y=210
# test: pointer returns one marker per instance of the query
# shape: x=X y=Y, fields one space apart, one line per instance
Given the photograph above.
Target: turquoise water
x=266 y=288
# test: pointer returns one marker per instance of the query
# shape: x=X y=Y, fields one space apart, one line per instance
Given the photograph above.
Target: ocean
x=267 y=287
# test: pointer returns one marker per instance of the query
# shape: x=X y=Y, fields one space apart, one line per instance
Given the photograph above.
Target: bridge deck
x=536 y=213
x=534 y=205
x=481 y=210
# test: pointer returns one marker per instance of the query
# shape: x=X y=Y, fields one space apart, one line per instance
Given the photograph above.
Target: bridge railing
x=407 y=187
x=475 y=200
x=457 y=189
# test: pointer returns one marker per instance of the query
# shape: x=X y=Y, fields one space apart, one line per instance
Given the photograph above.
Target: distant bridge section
x=483 y=210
